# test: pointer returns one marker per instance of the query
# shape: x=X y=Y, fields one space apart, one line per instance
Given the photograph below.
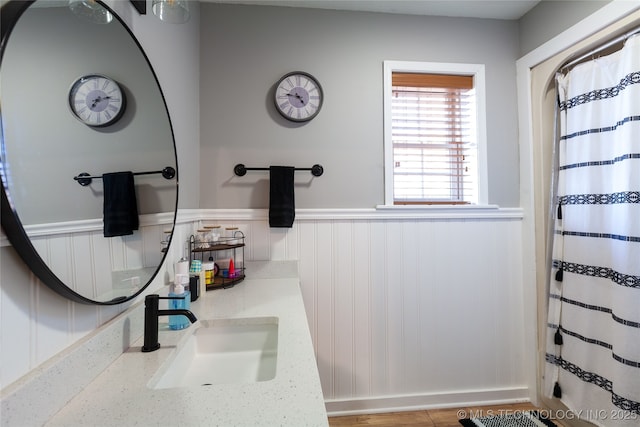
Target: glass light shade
x=90 y=10
x=173 y=11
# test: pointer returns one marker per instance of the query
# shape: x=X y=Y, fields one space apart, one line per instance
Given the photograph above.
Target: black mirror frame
x=10 y=13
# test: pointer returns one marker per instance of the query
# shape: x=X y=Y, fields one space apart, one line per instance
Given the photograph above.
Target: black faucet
x=151 y=314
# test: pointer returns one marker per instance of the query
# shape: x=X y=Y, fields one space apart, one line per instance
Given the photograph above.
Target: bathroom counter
x=120 y=396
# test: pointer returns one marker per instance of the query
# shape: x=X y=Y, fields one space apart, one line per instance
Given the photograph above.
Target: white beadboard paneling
x=17 y=316
x=408 y=306
x=394 y=307
x=83 y=262
x=59 y=251
x=405 y=310
x=293 y=244
x=278 y=244
x=362 y=271
x=323 y=253
x=378 y=321
x=102 y=270
x=308 y=273
x=84 y=317
x=437 y=308
x=343 y=285
x=134 y=250
x=50 y=323
x=258 y=241
x=117 y=253
x=53 y=324
x=151 y=238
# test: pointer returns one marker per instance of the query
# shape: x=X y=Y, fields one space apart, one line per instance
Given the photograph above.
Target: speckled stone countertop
x=120 y=396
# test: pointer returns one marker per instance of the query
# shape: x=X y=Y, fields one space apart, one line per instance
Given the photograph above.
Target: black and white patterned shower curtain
x=593 y=335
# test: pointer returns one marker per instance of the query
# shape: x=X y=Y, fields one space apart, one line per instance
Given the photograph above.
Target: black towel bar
x=241 y=170
x=84 y=178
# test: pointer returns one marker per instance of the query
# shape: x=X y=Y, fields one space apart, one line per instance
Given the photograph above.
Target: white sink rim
x=196 y=359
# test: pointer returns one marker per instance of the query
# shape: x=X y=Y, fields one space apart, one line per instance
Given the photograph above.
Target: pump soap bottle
x=179 y=321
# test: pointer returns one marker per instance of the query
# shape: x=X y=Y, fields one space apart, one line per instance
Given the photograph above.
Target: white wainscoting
x=407 y=308
x=35 y=323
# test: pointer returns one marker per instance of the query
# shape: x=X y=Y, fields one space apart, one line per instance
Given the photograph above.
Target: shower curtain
x=593 y=326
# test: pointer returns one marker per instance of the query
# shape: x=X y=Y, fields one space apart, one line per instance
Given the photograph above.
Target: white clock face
x=96 y=100
x=298 y=96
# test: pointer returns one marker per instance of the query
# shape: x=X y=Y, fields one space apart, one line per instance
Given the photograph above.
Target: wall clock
x=298 y=96
x=96 y=100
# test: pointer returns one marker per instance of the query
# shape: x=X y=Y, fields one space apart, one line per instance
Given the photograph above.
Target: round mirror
x=88 y=164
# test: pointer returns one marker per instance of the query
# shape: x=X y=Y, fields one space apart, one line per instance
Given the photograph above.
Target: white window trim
x=477 y=70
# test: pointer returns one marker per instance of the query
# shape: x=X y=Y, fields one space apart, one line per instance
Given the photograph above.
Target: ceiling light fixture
x=172 y=11
x=90 y=10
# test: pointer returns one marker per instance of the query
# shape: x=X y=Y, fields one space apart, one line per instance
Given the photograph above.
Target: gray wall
x=246 y=49
x=551 y=17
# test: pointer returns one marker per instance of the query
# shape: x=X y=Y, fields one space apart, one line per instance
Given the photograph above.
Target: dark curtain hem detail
x=597 y=380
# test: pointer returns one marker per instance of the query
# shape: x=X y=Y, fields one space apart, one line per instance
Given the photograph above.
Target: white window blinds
x=434 y=139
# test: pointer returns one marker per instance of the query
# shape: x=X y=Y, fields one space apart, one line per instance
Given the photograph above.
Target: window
x=434 y=133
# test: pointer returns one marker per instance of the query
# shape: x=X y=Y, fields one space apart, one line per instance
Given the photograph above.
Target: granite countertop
x=121 y=396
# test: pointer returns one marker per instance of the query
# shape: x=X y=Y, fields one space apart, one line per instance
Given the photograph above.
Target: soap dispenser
x=182 y=302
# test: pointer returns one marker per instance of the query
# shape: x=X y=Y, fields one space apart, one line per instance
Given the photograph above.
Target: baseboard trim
x=400 y=403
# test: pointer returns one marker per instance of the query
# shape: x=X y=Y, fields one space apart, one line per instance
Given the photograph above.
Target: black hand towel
x=120 y=206
x=282 y=209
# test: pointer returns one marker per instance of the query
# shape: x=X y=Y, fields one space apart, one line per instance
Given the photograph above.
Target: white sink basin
x=223 y=351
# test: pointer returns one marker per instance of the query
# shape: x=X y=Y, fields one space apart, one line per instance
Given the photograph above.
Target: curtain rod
x=616 y=40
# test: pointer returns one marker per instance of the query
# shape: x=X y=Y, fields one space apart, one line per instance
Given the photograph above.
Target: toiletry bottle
x=194 y=287
x=182 y=266
x=232 y=269
x=208 y=269
x=179 y=321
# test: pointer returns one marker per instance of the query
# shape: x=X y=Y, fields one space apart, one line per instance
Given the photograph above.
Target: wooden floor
x=426 y=418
